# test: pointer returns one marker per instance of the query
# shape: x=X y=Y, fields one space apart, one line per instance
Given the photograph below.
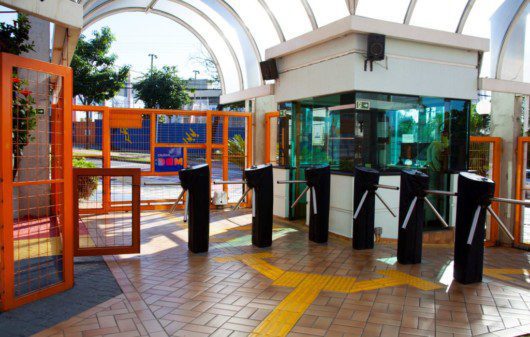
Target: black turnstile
x=475 y=194
x=259 y=179
x=318 y=180
x=196 y=182
x=366 y=181
x=411 y=216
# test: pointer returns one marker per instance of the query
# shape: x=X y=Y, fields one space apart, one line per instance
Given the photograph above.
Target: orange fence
x=521 y=228
x=270 y=137
x=137 y=138
x=485 y=159
x=36 y=180
x=116 y=231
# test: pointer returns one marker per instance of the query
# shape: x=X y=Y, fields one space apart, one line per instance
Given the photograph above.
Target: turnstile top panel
x=476 y=177
x=415 y=173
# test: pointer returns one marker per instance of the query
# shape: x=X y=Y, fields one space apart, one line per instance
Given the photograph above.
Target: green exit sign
x=362 y=105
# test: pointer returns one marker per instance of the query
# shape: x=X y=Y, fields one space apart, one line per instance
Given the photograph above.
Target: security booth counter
x=410 y=112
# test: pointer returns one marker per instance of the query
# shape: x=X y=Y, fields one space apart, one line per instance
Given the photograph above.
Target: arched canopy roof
x=236 y=33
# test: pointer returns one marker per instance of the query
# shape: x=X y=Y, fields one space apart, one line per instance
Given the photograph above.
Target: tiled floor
x=299 y=288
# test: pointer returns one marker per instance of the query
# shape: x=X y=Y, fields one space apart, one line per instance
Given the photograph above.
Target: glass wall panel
x=436 y=14
x=389 y=10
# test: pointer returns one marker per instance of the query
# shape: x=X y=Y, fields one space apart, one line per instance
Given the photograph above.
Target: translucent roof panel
x=291 y=15
x=389 y=10
x=327 y=11
x=438 y=14
x=257 y=21
x=478 y=21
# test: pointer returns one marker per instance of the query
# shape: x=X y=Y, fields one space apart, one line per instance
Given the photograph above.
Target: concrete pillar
x=262 y=105
x=506 y=123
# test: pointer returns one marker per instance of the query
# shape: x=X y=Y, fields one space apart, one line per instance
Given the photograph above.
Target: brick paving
x=170 y=292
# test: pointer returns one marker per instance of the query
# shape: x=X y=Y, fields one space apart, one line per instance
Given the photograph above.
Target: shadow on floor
x=94 y=284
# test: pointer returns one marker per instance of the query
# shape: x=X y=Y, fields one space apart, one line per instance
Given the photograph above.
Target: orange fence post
x=226 y=121
x=519 y=186
x=106 y=149
x=152 y=139
x=268 y=117
x=496 y=143
x=209 y=139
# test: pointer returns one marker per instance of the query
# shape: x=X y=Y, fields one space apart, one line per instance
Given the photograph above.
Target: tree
x=203 y=59
x=161 y=89
x=14 y=38
x=96 y=77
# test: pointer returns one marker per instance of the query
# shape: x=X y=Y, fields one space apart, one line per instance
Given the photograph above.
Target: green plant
x=24 y=120
x=86 y=185
x=14 y=38
x=236 y=150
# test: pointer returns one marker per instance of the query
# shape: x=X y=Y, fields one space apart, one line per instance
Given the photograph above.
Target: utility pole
x=195 y=89
x=152 y=56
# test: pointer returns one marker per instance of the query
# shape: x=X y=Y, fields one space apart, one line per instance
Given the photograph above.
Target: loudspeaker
x=376 y=47
x=269 y=71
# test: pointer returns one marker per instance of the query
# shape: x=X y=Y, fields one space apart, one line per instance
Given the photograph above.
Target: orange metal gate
x=130 y=138
x=270 y=138
x=521 y=228
x=112 y=230
x=485 y=159
x=36 y=180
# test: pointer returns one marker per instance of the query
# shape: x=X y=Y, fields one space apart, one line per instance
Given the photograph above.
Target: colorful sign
x=169 y=159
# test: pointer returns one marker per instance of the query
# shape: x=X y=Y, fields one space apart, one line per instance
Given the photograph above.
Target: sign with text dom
x=169 y=159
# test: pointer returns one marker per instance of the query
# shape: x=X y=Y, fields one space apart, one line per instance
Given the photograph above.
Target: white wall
x=341 y=203
x=281 y=193
x=411 y=68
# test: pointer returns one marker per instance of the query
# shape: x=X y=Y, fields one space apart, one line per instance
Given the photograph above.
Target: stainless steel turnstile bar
x=388 y=187
x=291 y=182
x=384 y=203
x=431 y=206
x=438 y=192
x=229 y=182
x=236 y=207
x=512 y=201
x=501 y=223
x=300 y=197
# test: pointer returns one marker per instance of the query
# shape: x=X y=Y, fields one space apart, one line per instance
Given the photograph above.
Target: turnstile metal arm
x=236 y=207
x=300 y=196
x=388 y=187
x=291 y=182
x=229 y=182
x=503 y=226
x=431 y=206
x=384 y=203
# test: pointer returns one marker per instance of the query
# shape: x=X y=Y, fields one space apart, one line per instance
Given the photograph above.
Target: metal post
x=503 y=226
x=435 y=212
x=409 y=212
x=241 y=199
x=360 y=205
x=474 y=225
x=291 y=182
x=186 y=210
x=384 y=203
x=300 y=197
x=438 y=192
x=512 y=201
x=314 y=199
x=229 y=182
x=388 y=187
x=181 y=195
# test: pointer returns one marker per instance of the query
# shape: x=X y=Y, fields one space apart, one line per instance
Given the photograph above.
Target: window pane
x=436 y=14
x=393 y=10
x=327 y=11
x=291 y=16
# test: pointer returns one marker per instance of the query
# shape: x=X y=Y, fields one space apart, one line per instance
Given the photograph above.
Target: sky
x=139 y=34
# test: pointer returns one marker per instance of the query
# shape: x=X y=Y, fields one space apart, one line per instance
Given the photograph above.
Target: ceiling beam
x=465 y=15
x=273 y=19
x=410 y=11
x=507 y=36
x=310 y=14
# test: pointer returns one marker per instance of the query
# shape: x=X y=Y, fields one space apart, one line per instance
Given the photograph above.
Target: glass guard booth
x=384 y=131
